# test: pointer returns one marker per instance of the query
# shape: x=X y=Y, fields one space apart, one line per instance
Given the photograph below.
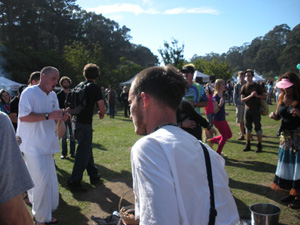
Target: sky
x=202 y=26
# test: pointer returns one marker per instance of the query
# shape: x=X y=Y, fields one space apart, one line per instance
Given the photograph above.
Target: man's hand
x=101 y=115
x=187 y=123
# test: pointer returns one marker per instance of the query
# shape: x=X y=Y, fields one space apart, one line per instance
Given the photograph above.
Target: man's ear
x=146 y=99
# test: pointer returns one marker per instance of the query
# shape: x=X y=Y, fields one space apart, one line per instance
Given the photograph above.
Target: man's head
x=165 y=85
x=34 y=78
x=65 y=82
x=91 y=71
x=49 y=78
x=188 y=72
x=249 y=75
x=241 y=75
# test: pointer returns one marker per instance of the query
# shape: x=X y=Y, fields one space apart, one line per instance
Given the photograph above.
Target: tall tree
x=172 y=53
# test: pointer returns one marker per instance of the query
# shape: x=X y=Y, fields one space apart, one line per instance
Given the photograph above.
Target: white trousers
x=45 y=195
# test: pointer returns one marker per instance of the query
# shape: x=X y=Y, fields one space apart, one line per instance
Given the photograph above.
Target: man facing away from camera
x=82 y=125
x=168 y=165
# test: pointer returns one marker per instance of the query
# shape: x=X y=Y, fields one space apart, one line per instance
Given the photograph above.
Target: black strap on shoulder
x=213 y=211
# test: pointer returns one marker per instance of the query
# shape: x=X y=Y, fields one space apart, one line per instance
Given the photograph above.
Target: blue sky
x=202 y=26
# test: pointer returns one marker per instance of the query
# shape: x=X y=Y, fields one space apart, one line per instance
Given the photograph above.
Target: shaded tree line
x=37 y=33
x=275 y=53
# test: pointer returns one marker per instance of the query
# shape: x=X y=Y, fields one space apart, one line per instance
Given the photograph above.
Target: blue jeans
x=84 y=159
x=64 y=146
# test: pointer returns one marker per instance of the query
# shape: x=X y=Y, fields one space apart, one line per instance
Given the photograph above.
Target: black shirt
x=93 y=94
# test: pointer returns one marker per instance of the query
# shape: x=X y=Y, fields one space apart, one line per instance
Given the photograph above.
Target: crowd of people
x=165 y=106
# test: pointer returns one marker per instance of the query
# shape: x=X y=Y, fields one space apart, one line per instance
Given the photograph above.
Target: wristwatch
x=46 y=116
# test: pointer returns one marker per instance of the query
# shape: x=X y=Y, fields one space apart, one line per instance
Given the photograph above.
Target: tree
x=172 y=54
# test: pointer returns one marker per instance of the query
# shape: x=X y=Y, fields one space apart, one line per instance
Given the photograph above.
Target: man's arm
x=15 y=212
x=101 y=109
x=36 y=117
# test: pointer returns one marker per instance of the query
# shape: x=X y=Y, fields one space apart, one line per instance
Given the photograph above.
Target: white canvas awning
x=205 y=78
x=8 y=84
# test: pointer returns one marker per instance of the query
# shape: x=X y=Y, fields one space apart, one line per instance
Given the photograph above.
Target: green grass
x=250 y=173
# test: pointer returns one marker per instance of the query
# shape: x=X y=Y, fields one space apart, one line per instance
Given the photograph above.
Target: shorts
x=240 y=111
x=253 y=117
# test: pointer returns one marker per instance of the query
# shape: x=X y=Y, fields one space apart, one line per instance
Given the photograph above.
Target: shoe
x=258 y=148
x=288 y=198
x=63 y=157
x=247 y=148
x=210 y=143
x=53 y=221
x=76 y=187
x=95 y=180
x=73 y=156
x=241 y=138
x=295 y=204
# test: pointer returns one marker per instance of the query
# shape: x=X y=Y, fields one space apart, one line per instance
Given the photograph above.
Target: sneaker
x=75 y=186
x=258 y=148
x=247 y=148
x=210 y=143
x=95 y=180
x=73 y=156
x=63 y=157
x=241 y=138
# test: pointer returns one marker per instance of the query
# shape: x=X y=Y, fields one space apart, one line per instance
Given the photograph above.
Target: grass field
x=250 y=173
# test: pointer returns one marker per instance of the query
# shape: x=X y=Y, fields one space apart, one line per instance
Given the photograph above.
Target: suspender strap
x=213 y=211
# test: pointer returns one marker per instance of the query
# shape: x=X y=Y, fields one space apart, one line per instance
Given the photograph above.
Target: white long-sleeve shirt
x=170 y=181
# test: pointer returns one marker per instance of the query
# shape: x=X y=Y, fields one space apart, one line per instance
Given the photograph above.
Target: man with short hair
x=195 y=95
x=65 y=83
x=168 y=166
x=82 y=125
x=240 y=106
x=251 y=93
x=39 y=121
x=34 y=78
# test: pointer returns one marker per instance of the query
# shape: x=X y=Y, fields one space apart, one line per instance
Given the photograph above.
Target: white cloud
x=137 y=9
x=192 y=10
x=117 y=8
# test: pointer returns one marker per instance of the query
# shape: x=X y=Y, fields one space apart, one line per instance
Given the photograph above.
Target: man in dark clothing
x=124 y=100
x=190 y=121
x=82 y=126
x=65 y=83
x=251 y=93
x=14 y=107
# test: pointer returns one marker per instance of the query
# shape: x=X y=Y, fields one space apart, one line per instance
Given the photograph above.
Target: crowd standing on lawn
x=287 y=175
x=159 y=108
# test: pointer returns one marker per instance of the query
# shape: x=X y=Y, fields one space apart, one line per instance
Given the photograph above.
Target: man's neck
x=66 y=90
x=168 y=116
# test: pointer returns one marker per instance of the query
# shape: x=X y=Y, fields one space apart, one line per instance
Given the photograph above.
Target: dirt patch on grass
x=104 y=199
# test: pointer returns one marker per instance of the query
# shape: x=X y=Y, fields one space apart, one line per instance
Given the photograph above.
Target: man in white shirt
x=168 y=165
x=39 y=120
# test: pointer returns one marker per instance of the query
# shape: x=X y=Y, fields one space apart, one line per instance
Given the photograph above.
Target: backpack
x=76 y=98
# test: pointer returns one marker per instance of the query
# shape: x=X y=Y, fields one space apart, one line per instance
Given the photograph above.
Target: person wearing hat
x=287 y=175
x=195 y=95
x=251 y=93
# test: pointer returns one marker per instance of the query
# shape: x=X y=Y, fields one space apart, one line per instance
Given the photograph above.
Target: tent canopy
x=8 y=84
x=198 y=74
x=128 y=82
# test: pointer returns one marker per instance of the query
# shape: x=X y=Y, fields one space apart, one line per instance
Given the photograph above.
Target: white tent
x=205 y=78
x=258 y=77
x=8 y=84
x=128 y=82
